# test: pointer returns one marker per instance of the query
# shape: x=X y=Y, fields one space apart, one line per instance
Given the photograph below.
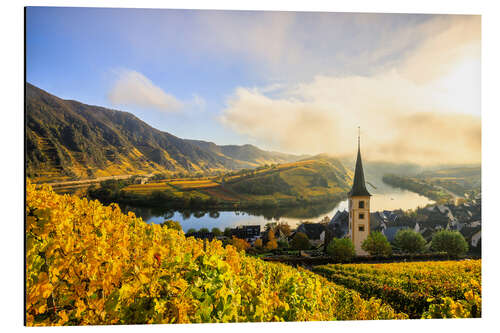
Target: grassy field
x=441 y=289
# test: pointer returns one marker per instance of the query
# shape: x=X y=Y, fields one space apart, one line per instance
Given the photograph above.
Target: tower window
x=361 y=216
x=361 y=228
x=361 y=204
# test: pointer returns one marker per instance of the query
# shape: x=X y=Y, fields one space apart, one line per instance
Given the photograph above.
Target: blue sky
x=263 y=77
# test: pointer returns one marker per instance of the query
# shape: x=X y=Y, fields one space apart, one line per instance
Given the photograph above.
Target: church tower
x=359 y=207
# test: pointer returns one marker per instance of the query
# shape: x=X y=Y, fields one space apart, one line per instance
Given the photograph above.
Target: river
x=384 y=197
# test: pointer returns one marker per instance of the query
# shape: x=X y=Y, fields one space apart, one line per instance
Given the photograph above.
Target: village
x=465 y=218
x=311 y=239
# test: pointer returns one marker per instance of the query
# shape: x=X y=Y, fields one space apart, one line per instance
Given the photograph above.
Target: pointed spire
x=358 y=184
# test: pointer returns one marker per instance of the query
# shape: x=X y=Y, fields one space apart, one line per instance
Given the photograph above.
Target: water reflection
x=384 y=198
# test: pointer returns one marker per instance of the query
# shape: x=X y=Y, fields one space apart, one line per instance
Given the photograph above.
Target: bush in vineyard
x=89 y=264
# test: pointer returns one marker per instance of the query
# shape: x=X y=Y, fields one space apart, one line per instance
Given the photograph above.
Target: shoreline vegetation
x=442 y=186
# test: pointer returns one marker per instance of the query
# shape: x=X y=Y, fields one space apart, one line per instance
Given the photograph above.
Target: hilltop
x=66 y=139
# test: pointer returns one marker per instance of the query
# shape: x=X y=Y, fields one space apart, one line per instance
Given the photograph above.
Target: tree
x=258 y=243
x=341 y=249
x=283 y=244
x=240 y=244
x=227 y=232
x=216 y=232
x=172 y=225
x=204 y=230
x=409 y=241
x=284 y=228
x=270 y=235
x=451 y=242
x=190 y=231
x=377 y=244
x=300 y=241
x=272 y=244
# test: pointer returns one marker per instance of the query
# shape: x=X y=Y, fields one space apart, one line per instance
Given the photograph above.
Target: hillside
x=68 y=139
x=246 y=155
x=290 y=184
x=89 y=264
x=441 y=185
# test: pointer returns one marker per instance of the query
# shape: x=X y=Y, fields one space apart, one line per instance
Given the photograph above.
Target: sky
x=296 y=82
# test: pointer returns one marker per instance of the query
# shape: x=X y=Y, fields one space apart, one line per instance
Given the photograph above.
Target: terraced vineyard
x=89 y=264
x=419 y=289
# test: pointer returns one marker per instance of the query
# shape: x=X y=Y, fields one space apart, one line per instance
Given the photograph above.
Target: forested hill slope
x=247 y=154
x=67 y=138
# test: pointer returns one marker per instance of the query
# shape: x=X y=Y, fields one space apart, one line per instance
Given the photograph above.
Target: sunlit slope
x=67 y=138
x=304 y=179
x=89 y=264
x=308 y=181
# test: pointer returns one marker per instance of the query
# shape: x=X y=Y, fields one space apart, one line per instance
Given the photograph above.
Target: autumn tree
x=258 y=243
x=240 y=244
x=284 y=228
x=271 y=244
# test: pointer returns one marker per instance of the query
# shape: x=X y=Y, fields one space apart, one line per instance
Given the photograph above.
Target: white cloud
x=132 y=89
x=425 y=109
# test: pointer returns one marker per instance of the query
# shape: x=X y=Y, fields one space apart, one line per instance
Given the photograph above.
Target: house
x=472 y=234
x=378 y=221
x=339 y=225
x=390 y=232
x=427 y=234
x=203 y=235
x=247 y=232
x=475 y=240
x=314 y=231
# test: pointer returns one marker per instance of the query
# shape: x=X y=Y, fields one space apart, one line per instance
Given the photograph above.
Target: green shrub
x=451 y=242
x=283 y=244
x=341 y=249
x=216 y=232
x=377 y=244
x=409 y=241
x=300 y=242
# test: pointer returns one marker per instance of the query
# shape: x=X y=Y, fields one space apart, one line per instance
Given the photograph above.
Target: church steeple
x=358 y=184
